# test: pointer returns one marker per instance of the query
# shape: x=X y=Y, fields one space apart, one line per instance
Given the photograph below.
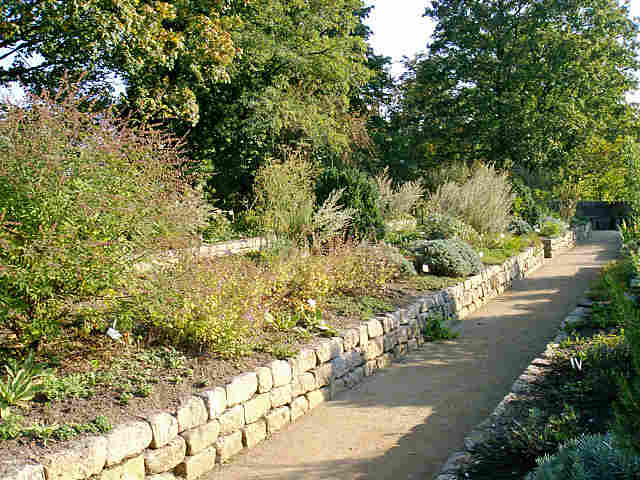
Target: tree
x=521 y=82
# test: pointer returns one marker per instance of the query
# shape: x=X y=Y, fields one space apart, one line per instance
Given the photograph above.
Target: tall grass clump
x=82 y=198
x=484 y=201
x=397 y=202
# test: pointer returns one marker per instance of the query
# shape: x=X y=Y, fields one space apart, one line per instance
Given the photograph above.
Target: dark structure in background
x=604 y=215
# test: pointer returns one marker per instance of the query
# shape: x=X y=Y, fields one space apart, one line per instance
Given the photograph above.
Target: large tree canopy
x=520 y=82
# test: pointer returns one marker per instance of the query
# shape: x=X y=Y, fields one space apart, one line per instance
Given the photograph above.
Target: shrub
x=82 y=197
x=484 y=201
x=359 y=193
x=396 y=203
x=450 y=258
x=552 y=227
x=438 y=226
x=525 y=204
x=587 y=457
x=518 y=226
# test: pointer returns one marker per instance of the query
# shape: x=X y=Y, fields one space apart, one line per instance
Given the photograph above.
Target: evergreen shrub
x=450 y=258
x=438 y=226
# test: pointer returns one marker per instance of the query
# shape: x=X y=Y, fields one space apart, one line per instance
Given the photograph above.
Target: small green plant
x=23 y=381
x=436 y=330
x=552 y=227
x=450 y=258
x=518 y=226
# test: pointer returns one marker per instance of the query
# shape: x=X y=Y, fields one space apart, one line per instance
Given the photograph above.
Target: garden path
x=404 y=422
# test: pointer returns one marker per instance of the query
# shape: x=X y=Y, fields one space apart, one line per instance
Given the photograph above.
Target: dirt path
x=404 y=422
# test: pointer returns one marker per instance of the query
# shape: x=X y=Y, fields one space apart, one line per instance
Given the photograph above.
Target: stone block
x=384 y=361
x=241 y=388
x=316 y=397
x=278 y=418
x=339 y=366
x=302 y=384
x=257 y=407
x=191 y=413
x=281 y=372
x=195 y=466
x=232 y=419
x=201 y=437
x=370 y=368
x=162 y=476
x=21 y=470
x=280 y=396
x=254 y=433
x=215 y=401
x=229 y=445
x=389 y=341
x=355 y=377
x=299 y=407
x=165 y=458
x=387 y=323
x=132 y=469
x=323 y=374
x=353 y=359
x=329 y=349
x=374 y=328
x=337 y=386
x=412 y=344
x=126 y=440
x=265 y=379
x=364 y=335
x=304 y=361
x=164 y=428
x=81 y=459
x=373 y=349
x=350 y=339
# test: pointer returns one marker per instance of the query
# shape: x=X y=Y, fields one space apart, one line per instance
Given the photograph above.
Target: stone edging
x=212 y=426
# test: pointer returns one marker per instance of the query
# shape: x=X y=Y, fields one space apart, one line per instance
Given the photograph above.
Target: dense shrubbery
x=552 y=227
x=451 y=258
x=518 y=226
x=438 y=226
x=396 y=203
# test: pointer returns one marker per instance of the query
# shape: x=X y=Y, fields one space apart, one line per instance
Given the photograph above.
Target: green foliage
x=435 y=329
x=396 y=203
x=437 y=226
x=588 y=457
x=552 y=227
x=526 y=205
x=450 y=258
x=360 y=194
x=13 y=427
x=519 y=226
x=484 y=201
x=23 y=382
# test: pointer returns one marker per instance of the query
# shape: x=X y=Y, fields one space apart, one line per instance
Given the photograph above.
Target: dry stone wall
x=214 y=425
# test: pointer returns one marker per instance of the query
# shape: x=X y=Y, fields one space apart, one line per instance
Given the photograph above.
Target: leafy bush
x=395 y=203
x=82 y=198
x=484 y=201
x=359 y=193
x=450 y=258
x=525 y=204
x=552 y=227
x=518 y=226
x=587 y=457
x=438 y=226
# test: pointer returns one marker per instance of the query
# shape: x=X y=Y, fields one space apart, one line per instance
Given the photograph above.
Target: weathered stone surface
x=304 y=361
x=316 y=397
x=302 y=384
x=364 y=335
x=339 y=366
x=373 y=349
x=400 y=350
x=329 y=349
x=387 y=323
x=370 y=368
x=191 y=413
x=265 y=379
x=254 y=433
x=278 y=418
x=257 y=407
x=215 y=401
x=280 y=396
x=132 y=469
x=384 y=361
x=162 y=476
x=201 y=437
x=351 y=338
x=323 y=374
x=165 y=458
x=374 y=328
x=164 y=428
x=336 y=386
x=127 y=440
x=241 y=388
x=299 y=407
x=412 y=344
x=232 y=419
x=389 y=341
x=353 y=359
x=21 y=470
x=194 y=466
x=81 y=459
x=281 y=372
x=228 y=446
x=355 y=377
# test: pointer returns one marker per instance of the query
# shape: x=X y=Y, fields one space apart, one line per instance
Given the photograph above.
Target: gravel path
x=404 y=422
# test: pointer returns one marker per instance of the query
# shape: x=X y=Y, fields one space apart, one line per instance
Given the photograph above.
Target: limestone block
x=165 y=458
x=299 y=407
x=316 y=397
x=265 y=379
x=353 y=359
x=420 y=340
x=241 y=388
x=373 y=349
x=304 y=361
x=280 y=396
x=21 y=470
x=201 y=437
x=355 y=377
x=164 y=428
x=364 y=335
x=228 y=446
x=191 y=413
x=281 y=372
x=387 y=323
x=302 y=384
x=127 y=440
x=389 y=341
x=254 y=433
x=323 y=374
x=412 y=344
x=257 y=407
x=162 y=476
x=374 y=328
x=336 y=386
x=403 y=316
x=384 y=361
x=132 y=469
x=278 y=418
x=350 y=339
x=232 y=419
x=339 y=366
x=403 y=334
x=215 y=401
x=329 y=349
x=81 y=459
x=370 y=368
x=194 y=466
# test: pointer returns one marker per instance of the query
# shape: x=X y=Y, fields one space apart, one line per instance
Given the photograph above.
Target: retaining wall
x=214 y=425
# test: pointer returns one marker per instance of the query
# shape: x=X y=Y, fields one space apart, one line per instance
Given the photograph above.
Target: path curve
x=404 y=422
